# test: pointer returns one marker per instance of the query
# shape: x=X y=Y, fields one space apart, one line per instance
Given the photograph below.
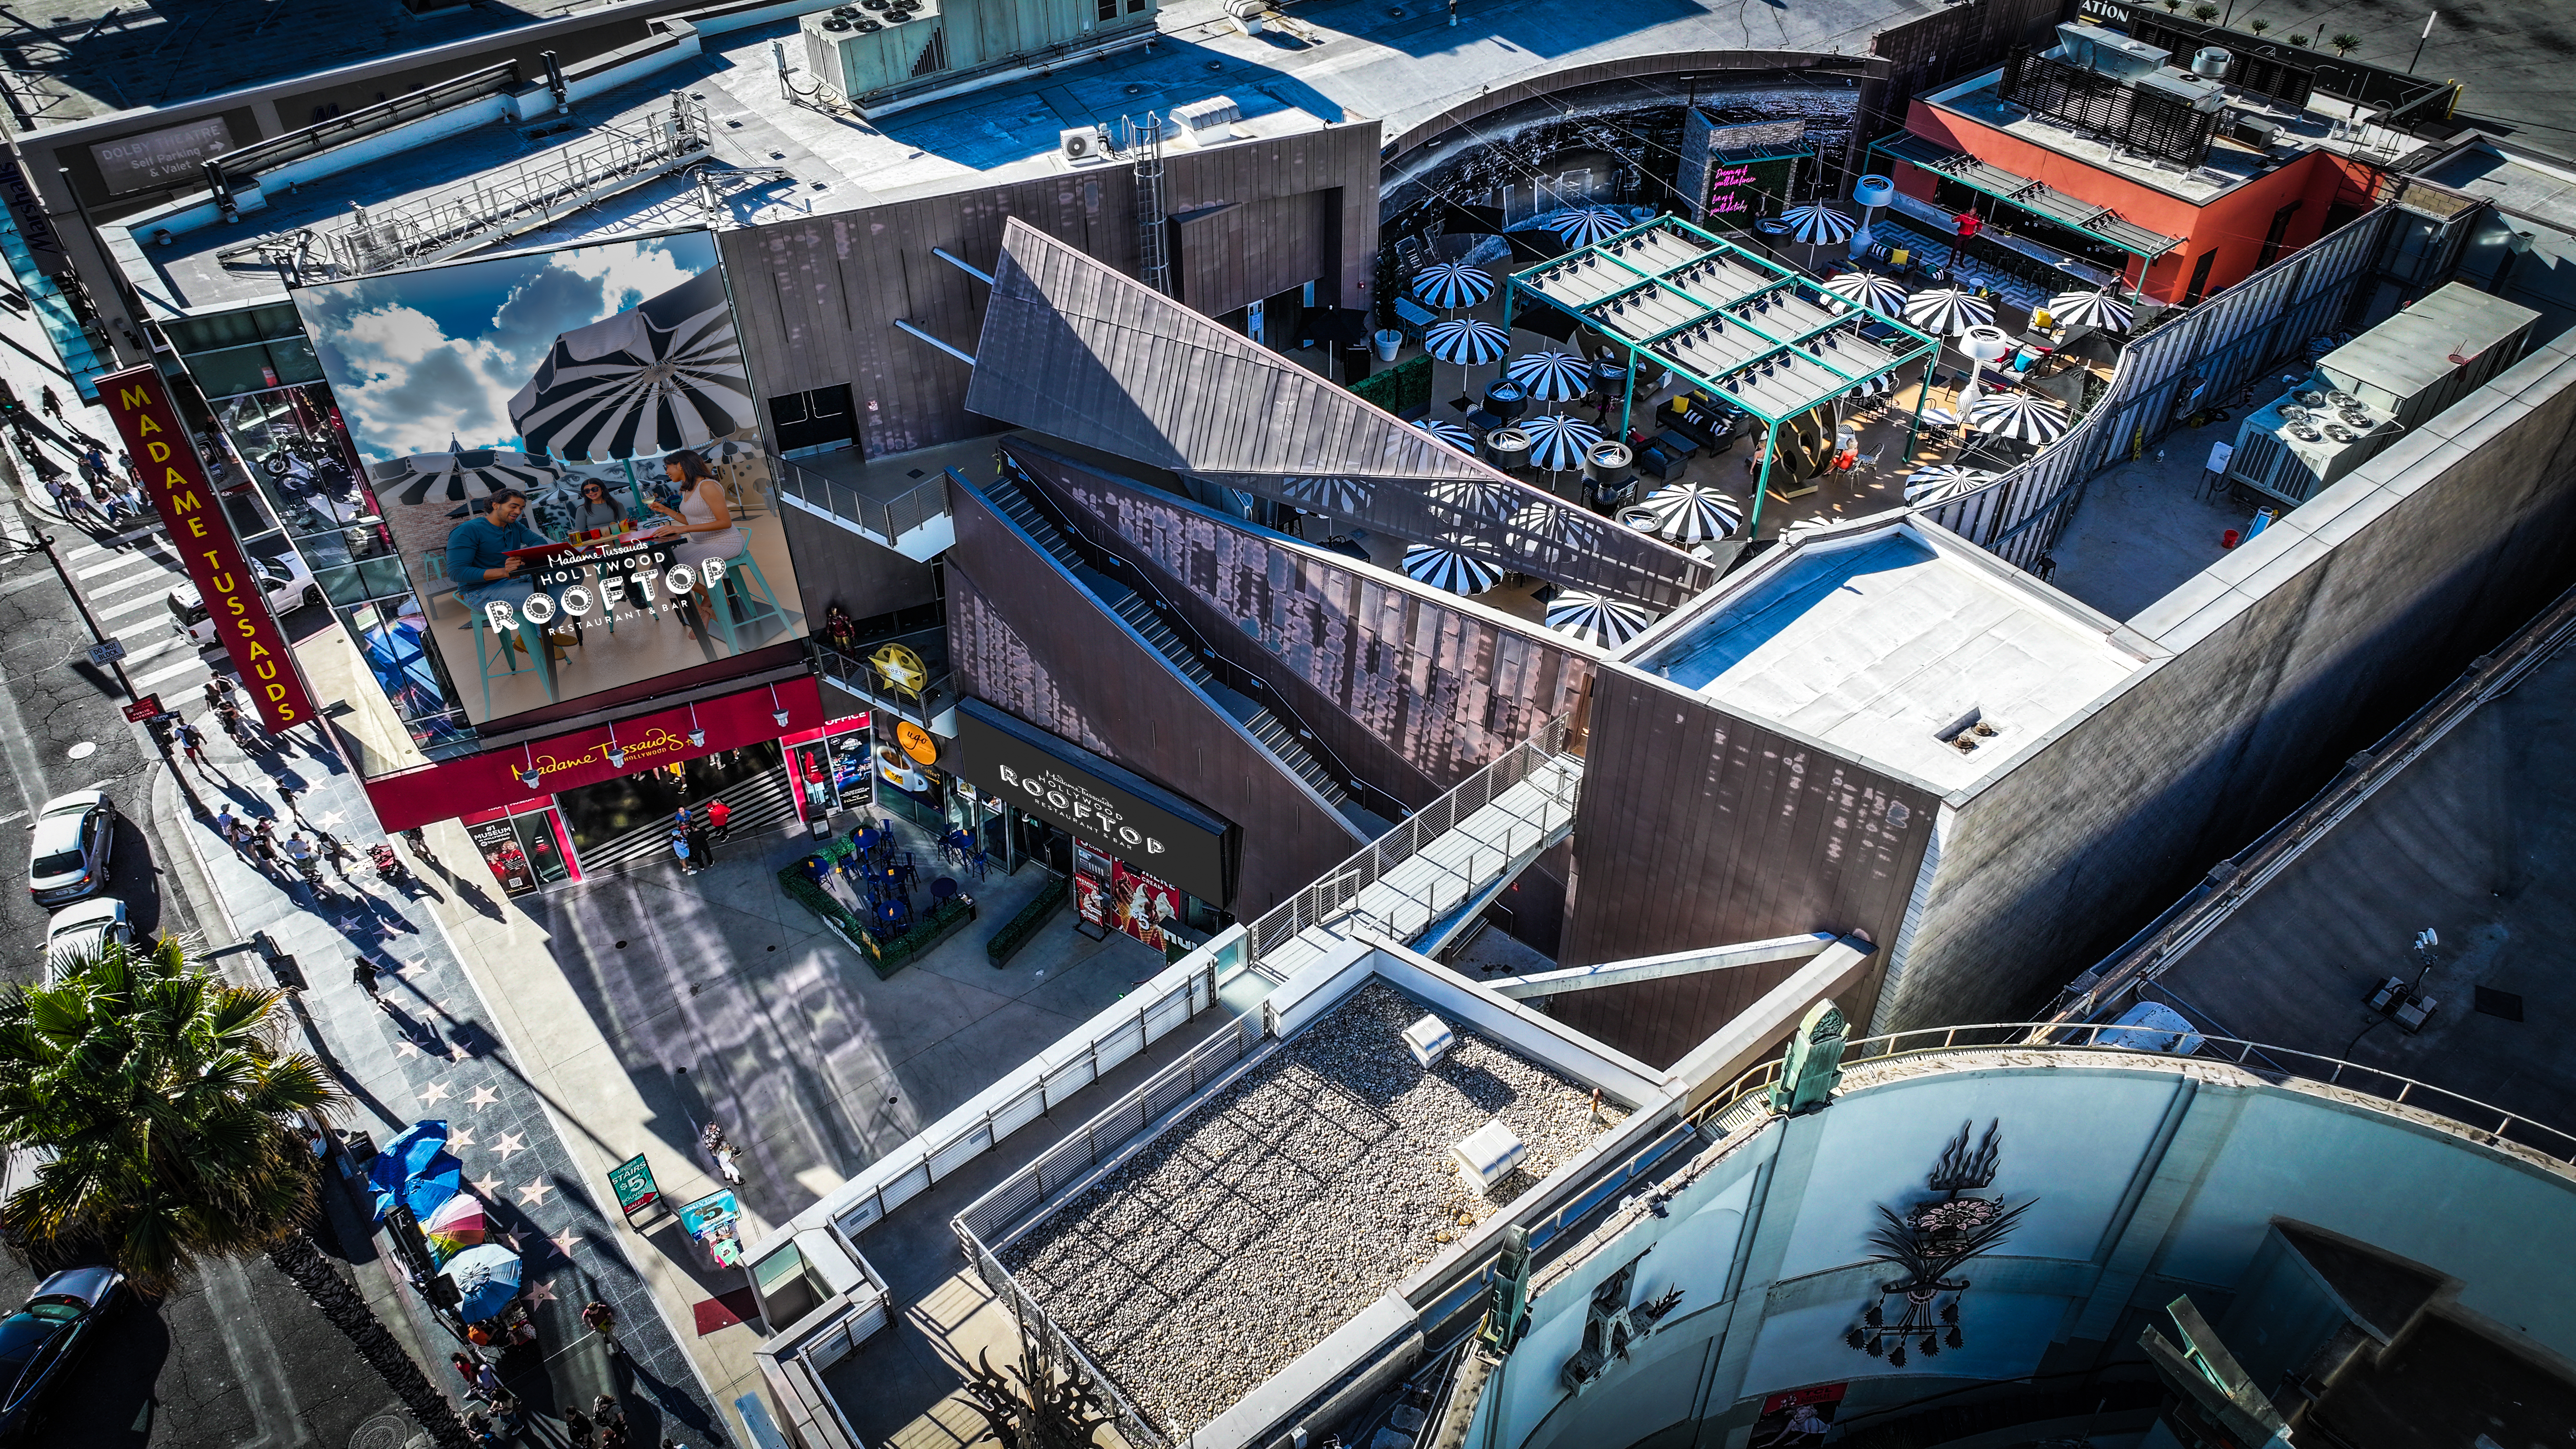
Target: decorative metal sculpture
x=1611 y=1327
x=1931 y=1241
x=1813 y=1066
x=1041 y=1403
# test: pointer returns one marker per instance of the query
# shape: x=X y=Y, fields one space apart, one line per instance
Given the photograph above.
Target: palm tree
x=2299 y=40
x=2345 y=44
x=169 y=1108
x=2258 y=25
x=2204 y=12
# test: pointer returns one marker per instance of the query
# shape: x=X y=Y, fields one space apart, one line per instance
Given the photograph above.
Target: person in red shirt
x=717 y=814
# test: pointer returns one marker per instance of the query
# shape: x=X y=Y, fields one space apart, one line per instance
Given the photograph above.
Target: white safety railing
x=497 y=204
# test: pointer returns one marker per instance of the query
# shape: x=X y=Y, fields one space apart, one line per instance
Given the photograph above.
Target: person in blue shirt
x=478 y=553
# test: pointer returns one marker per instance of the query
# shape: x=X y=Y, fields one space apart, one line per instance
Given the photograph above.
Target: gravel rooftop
x=1277 y=1209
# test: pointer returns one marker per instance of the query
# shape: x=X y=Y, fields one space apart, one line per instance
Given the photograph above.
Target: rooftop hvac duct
x=2210 y=63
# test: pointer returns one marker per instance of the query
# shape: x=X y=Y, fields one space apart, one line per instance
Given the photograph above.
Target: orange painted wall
x=2233 y=225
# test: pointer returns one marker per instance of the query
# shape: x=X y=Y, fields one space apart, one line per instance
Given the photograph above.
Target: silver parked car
x=82 y=932
x=67 y=859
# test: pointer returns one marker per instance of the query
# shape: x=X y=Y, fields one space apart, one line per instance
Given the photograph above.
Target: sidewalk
x=565 y=1032
x=435 y=1050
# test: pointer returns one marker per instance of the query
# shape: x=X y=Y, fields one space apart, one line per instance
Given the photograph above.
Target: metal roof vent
x=1429 y=1040
x=2210 y=62
x=1488 y=1156
x=1215 y=113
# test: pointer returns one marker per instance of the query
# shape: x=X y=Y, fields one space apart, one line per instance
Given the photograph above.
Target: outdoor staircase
x=759 y=804
x=1275 y=735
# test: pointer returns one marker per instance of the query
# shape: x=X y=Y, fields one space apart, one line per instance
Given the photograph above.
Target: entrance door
x=2199 y=277
x=628 y=820
x=813 y=422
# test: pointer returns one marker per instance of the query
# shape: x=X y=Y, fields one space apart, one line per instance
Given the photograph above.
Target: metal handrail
x=854 y=673
x=886 y=521
x=2088 y=1037
x=1332 y=894
x=459 y=217
x=1138 y=1431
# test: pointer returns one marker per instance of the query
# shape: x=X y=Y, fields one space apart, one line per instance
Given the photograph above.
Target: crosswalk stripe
x=103 y=545
x=161 y=578
x=166 y=643
x=192 y=663
x=125 y=561
x=129 y=606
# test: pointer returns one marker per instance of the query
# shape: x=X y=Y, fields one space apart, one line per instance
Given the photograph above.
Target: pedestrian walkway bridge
x=1423 y=882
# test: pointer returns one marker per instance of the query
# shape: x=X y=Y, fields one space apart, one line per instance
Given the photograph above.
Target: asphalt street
x=239 y=1357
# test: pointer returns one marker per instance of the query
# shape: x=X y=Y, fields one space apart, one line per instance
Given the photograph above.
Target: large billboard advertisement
x=175 y=480
x=563 y=448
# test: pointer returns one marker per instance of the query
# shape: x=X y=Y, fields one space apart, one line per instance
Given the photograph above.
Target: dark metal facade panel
x=1026 y=639
x=1698 y=829
x=1445 y=690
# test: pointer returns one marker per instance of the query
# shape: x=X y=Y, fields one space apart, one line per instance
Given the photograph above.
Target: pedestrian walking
x=488 y=1381
x=603 y=1321
x=729 y=1162
x=680 y=848
x=465 y=1371
x=218 y=693
x=577 y=1430
x=290 y=797
x=701 y=846
x=610 y=1419
x=335 y=851
x=52 y=404
x=719 y=816
x=369 y=980
x=192 y=741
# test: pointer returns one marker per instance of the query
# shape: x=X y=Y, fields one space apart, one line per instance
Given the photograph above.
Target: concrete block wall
x=2294 y=651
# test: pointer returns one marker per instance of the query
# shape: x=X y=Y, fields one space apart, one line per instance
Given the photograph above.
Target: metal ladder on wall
x=1153 y=263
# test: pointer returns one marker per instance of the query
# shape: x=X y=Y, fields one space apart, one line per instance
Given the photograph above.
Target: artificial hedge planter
x=1021 y=929
x=886 y=954
x=1399 y=389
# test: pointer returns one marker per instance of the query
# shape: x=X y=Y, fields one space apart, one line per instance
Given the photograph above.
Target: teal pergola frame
x=1783 y=344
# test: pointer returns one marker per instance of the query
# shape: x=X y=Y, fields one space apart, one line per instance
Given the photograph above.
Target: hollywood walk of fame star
x=461 y=1137
x=487 y=1184
x=330 y=818
x=434 y=1093
x=410 y=969
x=534 y=1194
x=348 y=925
x=510 y=1142
x=483 y=1096
x=406 y=1049
x=541 y=1293
x=458 y=1051
x=564 y=1240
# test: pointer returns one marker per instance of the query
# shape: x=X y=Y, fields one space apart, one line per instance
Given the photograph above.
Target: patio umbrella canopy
x=1551 y=376
x=1452 y=284
x=2019 y=415
x=1476 y=495
x=1949 y=310
x=1884 y=383
x=1466 y=341
x=470 y=473
x=1597 y=620
x=1817 y=224
x=1558 y=443
x=458 y=1224
x=1942 y=482
x=2091 y=309
x=1331 y=495
x=416 y=1170
x=1589 y=226
x=666 y=373
x=487 y=1278
x=1867 y=289
x=1446 y=565
x=1692 y=512
x=1453 y=434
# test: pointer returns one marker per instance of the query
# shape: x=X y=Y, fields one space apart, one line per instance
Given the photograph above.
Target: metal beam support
x=1656 y=968
x=967 y=358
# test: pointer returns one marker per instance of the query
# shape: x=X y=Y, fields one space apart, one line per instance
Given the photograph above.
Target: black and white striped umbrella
x=1452 y=284
x=1466 y=341
x=2091 y=309
x=1817 y=224
x=1691 y=512
x=1589 y=225
x=469 y=473
x=1884 y=383
x=1596 y=619
x=1342 y=496
x=2019 y=415
x=1551 y=376
x=1937 y=416
x=1948 y=310
x=1558 y=443
x=1487 y=498
x=1448 y=565
x=1453 y=434
x=1867 y=289
x=665 y=374
x=1942 y=482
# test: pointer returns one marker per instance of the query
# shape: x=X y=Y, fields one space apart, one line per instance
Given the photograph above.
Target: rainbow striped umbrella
x=458 y=1225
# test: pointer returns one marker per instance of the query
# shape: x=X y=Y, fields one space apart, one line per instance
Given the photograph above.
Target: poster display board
x=497 y=841
x=1140 y=904
x=714 y=1223
x=632 y=1181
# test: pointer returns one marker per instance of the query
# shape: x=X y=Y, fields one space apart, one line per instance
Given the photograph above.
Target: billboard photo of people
x=565 y=451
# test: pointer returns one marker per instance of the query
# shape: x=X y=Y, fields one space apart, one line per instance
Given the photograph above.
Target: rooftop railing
x=882 y=519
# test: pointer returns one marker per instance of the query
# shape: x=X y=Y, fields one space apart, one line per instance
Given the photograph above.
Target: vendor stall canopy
x=1771 y=341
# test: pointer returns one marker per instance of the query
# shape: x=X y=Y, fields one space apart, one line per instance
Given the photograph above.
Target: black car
x=39 y=1342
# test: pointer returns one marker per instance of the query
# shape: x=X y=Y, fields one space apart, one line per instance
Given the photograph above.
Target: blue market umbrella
x=415 y=1170
x=1449 y=285
x=1551 y=376
x=1451 y=433
x=1558 y=443
x=1589 y=225
x=487 y=1278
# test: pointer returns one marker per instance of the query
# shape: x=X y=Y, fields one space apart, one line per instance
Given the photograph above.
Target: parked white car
x=82 y=932
x=285 y=582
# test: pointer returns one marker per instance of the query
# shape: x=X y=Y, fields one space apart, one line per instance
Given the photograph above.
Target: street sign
x=106 y=652
x=632 y=1181
x=148 y=707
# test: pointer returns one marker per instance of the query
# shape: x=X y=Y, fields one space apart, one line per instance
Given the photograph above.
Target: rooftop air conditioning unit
x=1082 y=143
x=2205 y=96
x=2108 y=52
x=1489 y=1156
x=1206 y=120
x=1429 y=1040
x=2257 y=134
